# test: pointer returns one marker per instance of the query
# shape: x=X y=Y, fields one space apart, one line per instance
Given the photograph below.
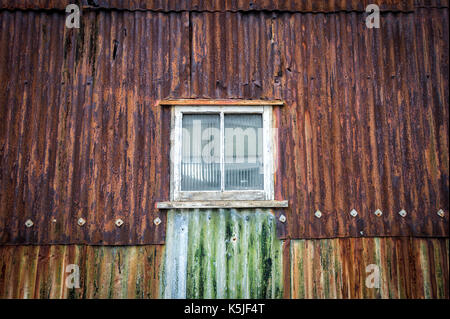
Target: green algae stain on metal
x=224 y=253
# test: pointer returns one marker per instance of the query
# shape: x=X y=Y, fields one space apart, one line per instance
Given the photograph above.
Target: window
x=222 y=153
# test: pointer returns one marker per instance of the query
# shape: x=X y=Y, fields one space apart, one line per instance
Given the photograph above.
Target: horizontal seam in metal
x=224 y=11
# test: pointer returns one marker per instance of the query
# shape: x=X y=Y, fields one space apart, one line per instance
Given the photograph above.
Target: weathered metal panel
x=82 y=136
x=222 y=253
x=221 y=5
x=366 y=114
x=105 y=272
x=189 y=265
x=364 y=126
x=250 y=5
x=336 y=268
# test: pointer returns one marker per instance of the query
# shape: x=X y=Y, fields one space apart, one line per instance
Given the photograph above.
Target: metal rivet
x=402 y=213
x=54 y=220
x=29 y=223
x=361 y=232
x=441 y=213
x=318 y=213
x=157 y=221
x=354 y=213
x=282 y=218
x=81 y=221
x=378 y=213
x=119 y=222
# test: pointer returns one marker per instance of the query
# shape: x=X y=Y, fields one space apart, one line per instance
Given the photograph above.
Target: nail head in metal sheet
x=157 y=221
x=119 y=222
x=29 y=223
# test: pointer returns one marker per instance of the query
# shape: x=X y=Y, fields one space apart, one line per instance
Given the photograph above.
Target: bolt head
x=282 y=218
x=81 y=221
x=318 y=213
x=354 y=213
x=157 y=221
x=378 y=213
x=29 y=223
x=119 y=222
x=402 y=213
x=441 y=213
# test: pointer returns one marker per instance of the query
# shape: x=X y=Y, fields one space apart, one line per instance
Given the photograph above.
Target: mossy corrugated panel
x=336 y=268
x=222 y=253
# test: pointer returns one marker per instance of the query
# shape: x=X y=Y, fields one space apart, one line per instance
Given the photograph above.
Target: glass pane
x=244 y=167
x=200 y=163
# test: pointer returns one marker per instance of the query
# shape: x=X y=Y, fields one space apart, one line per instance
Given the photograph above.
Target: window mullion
x=222 y=152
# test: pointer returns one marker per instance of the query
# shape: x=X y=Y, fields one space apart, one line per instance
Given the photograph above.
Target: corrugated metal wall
x=201 y=263
x=209 y=254
x=105 y=272
x=223 y=5
x=366 y=116
x=336 y=268
x=364 y=125
x=222 y=253
x=82 y=136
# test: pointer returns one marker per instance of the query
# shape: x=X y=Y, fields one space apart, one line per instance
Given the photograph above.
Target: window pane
x=200 y=164
x=244 y=167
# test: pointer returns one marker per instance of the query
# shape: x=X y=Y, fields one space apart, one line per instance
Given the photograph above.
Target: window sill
x=224 y=204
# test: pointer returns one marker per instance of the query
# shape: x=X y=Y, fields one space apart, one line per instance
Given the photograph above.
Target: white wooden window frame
x=177 y=194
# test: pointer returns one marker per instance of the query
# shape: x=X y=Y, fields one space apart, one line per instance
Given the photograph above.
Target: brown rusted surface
x=366 y=114
x=364 y=125
x=221 y=5
x=336 y=268
x=105 y=272
x=326 y=268
x=81 y=135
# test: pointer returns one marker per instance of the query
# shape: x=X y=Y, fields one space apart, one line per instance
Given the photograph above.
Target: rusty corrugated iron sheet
x=250 y=5
x=364 y=126
x=336 y=268
x=81 y=136
x=220 y=5
x=105 y=272
x=222 y=253
x=366 y=116
x=327 y=268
